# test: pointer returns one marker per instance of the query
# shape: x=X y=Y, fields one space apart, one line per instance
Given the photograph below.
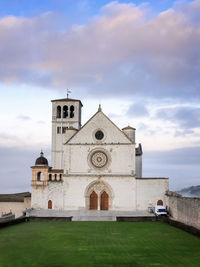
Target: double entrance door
x=104 y=201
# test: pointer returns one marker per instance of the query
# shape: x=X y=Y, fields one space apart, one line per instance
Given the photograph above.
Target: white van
x=160 y=210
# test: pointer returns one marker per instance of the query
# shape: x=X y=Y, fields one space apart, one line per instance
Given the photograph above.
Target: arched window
x=55 y=177
x=58 y=130
x=50 y=204
x=58 y=114
x=40 y=176
x=65 y=111
x=60 y=177
x=71 y=111
x=50 y=177
x=160 y=202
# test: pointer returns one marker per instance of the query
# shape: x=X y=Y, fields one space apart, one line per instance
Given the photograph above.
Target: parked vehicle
x=160 y=211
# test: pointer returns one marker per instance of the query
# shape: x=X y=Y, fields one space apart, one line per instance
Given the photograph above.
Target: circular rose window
x=99 y=159
x=99 y=135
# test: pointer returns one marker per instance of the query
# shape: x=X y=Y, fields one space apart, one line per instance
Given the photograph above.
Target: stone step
x=87 y=215
x=94 y=218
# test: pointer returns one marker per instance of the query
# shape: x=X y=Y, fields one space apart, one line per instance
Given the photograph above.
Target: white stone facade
x=93 y=167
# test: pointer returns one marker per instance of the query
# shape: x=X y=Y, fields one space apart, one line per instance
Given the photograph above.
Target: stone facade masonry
x=125 y=193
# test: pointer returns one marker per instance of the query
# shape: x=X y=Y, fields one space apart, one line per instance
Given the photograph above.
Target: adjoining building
x=96 y=166
x=14 y=203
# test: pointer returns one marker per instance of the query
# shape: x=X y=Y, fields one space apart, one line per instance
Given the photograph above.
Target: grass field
x=97 y=244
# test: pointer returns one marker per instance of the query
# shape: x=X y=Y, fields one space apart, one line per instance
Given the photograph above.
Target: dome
x=41 y=160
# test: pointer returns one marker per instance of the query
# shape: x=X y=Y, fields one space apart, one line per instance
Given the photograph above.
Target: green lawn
x=97 y=244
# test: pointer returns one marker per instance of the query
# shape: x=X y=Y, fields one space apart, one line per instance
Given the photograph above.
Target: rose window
x=99 y=159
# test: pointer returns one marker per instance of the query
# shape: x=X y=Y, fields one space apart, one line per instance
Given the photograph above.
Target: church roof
x=67 y=100
x=128 y=128
x=100 y=111
x=18 y=197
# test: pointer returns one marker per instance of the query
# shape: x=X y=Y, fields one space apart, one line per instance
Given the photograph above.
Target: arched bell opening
x=58 y=112
x=71 y=111
x=65 y=112
x=40 y=176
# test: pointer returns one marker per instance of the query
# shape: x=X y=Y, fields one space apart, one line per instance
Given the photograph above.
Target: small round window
x=99 y=135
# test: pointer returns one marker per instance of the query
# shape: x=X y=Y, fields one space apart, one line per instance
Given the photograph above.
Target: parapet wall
x=184 y=209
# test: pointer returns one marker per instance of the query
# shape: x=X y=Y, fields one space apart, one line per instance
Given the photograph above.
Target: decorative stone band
x=92 y=175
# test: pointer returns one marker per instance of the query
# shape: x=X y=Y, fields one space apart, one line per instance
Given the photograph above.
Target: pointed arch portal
x=98 y=196
x=104 y=201
x=93 y=201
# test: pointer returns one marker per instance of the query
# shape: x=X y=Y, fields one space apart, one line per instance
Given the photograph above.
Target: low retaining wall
x=7 y=217
x=136 y=219
x=61 y=219
x=187 y=228
x=26 y=219
x=184 y=209
x=12 y=222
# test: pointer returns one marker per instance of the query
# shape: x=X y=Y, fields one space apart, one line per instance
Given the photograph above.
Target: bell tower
x=66 y=121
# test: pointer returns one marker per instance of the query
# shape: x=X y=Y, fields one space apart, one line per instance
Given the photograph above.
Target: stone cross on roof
x=68 y=92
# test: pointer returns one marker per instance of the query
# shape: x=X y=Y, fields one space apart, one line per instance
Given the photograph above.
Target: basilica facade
x=96 y=166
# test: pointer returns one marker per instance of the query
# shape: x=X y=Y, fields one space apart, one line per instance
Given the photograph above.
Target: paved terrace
x=88 y=215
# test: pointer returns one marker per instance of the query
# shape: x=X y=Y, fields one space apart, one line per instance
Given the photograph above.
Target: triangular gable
x=112 y=134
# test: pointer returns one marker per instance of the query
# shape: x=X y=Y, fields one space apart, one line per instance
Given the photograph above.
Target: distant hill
x=192 y=191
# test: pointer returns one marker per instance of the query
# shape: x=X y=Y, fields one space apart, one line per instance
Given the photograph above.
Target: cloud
x=192 y=10
x=23 y=117
x=186 y=117
x=123 y=50
x=41 y=122
x=9 y=139
x=180 y=165
x=137 y=110
x=15 y=172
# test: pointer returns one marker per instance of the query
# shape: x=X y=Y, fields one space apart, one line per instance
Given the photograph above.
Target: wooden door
x=93 y=201
x=104 y=201
x=50 y=204
x=160 y=202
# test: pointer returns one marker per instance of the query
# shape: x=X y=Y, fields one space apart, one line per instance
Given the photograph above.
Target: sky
x=140 y=60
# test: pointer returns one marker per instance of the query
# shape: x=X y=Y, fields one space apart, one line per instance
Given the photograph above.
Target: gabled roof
x=100 y=111
x=67 y=100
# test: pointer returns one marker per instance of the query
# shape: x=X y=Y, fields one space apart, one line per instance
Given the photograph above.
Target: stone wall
x=149 y=191
x=15 y=207
x=7 y=217
x=184 y=209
